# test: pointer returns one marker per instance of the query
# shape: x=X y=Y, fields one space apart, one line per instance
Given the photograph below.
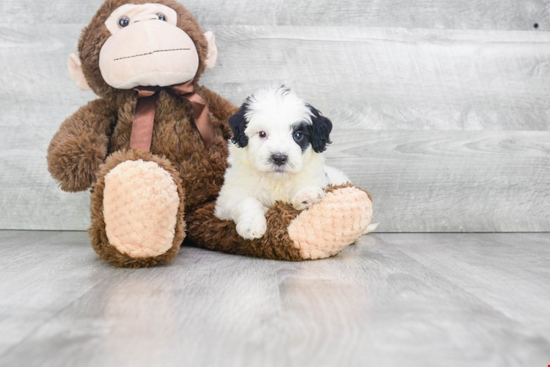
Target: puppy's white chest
x=271 y=191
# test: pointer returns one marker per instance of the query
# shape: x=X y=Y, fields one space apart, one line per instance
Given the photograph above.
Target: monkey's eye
x=161 y=17
x=262 y=134
x=123 y=21
x=298 y=136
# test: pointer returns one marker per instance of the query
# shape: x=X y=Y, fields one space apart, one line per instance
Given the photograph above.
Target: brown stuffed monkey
x=153 y=148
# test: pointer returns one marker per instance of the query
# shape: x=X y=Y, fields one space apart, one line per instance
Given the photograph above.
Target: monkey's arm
x=221 y=108
x=80 y=146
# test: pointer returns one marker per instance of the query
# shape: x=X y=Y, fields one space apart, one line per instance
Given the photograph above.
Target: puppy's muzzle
x=279 y=159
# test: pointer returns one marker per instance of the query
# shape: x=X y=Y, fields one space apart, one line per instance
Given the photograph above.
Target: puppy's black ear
x=320 y=130
x=238 y=123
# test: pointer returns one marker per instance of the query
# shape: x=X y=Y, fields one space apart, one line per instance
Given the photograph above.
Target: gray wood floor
x=391 y=300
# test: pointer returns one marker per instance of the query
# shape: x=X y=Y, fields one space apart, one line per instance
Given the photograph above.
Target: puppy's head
x=279 y=131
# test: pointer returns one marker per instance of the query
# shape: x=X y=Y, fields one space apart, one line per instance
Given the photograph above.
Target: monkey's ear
x=320 y=128
x=75 y=69
x=238 y=123
x=212 y=55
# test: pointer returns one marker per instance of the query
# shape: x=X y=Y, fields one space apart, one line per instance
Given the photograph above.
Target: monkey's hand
x=80 y=146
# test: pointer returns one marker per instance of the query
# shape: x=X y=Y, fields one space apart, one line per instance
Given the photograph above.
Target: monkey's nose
x=279 y=159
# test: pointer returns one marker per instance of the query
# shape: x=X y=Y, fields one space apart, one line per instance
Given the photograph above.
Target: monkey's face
x=146 y=48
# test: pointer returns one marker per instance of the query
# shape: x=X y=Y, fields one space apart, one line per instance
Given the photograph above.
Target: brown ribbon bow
x=144 y=116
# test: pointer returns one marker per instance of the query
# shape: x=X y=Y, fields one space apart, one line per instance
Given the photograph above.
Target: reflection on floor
x=391 y=300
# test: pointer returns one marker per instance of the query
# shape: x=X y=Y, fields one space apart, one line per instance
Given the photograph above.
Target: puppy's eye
x=123 y=21
x=262 y=134
x=298 y=136
x=161 y=17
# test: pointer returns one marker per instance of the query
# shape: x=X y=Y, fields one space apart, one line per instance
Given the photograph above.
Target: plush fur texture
x=275 y=155
x=80 y=146
x=100 y=132
x=350 y=208
x=95 y=140
x=97 y=230
x=140 y=206
x=96 y=34
x=278 y=243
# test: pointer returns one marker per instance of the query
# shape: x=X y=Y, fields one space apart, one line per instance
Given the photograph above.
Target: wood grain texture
x=388 y=79
x=38 y=281
x=421 y=181
x=446 y=14
x=379 y=78
x=464 y=261
x=440 y=181
x=438 y=90
x=393 y=300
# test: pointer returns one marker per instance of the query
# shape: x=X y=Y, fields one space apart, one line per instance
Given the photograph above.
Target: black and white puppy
x=275 y=154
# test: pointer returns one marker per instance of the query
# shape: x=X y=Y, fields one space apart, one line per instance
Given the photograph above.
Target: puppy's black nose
x=279 y=159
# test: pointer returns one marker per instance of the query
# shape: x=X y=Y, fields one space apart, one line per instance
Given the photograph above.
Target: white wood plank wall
x=441 y=108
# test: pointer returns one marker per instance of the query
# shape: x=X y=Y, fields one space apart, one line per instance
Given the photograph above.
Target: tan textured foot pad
x=140 y=206
x=333 y=224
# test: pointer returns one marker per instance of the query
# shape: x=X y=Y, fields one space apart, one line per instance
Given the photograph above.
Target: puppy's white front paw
x=252 y=228
x=307 y=196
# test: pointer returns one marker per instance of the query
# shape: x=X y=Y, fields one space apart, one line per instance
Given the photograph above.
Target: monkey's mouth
x=152 y=53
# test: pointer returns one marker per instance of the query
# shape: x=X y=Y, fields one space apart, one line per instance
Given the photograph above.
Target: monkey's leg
x=137 y=210
x=319 y=232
